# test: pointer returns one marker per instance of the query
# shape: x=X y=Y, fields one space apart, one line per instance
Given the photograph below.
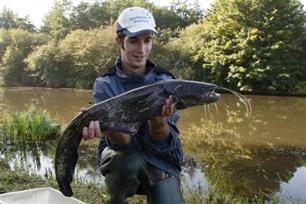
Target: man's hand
x=158 y=126
x=92 y=131
x=169 y=108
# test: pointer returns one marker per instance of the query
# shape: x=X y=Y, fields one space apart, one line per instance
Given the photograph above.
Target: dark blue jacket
x=166 y=154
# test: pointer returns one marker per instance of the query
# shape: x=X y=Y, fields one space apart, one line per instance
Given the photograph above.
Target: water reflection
x=264 y=172
x=274 y=121
x=38 y=159
x=296 y=186
x=238 y=165
x=234 y=154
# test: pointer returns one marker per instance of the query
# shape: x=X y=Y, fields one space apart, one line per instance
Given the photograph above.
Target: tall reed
x=28 y=125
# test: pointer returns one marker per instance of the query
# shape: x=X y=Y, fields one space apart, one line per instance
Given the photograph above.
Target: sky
x=37 y=9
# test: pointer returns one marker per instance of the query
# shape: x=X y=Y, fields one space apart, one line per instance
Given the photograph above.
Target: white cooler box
x=37 y=196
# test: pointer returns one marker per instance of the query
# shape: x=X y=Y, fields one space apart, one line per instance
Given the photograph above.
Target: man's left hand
x=169 y=108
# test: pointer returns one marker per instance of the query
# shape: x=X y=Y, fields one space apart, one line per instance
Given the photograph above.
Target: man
x=148 y=162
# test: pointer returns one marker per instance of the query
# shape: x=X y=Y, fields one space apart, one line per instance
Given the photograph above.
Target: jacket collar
x=150 y=66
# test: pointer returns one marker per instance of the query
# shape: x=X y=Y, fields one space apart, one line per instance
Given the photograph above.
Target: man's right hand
x=92 y=131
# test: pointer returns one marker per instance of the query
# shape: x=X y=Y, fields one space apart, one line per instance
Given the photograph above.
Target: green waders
x=127 y=174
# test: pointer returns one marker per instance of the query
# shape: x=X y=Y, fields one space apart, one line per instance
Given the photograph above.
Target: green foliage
x=5 y=41
x=184 y=49
x=49 y=67
x=74 y=57
x=188 y=13
x=92 y=52
x=20 y=44
x=101 y=13
x=254 y=45
x=10 y=20
x=29 y=125
x=56 y=21
x=87 y=16
x=300 y=88
x=248 y=45
x=173 y=57
x=76 y=60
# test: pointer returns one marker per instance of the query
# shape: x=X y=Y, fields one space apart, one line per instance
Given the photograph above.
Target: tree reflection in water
x=233 y=169
x=38 y=158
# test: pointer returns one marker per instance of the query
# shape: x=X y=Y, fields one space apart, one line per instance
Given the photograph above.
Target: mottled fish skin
x=118 y=114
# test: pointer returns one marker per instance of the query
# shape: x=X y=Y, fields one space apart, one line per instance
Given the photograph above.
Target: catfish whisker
x=216 y=107
x=243 y=99
x=205 y=110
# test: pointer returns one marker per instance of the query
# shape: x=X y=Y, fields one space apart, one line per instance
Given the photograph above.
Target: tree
x=76 y=60
x=57 y=20
x=91 y=52
x=10 y=20
x=88 y=16
x=13 y=67
x=102 y=13
x=99 y=14
x=48 y=67
x=188 y=13
x=5 y=41
x=254 y=45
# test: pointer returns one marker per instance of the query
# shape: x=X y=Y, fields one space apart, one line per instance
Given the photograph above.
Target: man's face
x=135 y=50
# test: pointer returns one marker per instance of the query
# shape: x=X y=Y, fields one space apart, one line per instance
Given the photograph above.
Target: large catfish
x=122 y=113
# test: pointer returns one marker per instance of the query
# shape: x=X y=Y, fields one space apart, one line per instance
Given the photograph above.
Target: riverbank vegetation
x=31 y=125
x=222 y=160
x=250 y=46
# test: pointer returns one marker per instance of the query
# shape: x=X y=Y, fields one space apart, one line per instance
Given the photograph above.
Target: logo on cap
x=135 y=20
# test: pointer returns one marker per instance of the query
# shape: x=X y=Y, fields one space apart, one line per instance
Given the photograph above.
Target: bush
x=76 y=60
x=29 y=125
x=256 y=46
x=21 y=44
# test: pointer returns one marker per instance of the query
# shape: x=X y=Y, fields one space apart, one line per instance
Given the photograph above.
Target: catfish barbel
x=122 y=113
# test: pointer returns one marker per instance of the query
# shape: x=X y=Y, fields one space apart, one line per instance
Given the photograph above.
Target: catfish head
x=192 y=93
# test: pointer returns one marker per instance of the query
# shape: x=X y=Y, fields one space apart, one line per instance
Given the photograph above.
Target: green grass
x=29 y=125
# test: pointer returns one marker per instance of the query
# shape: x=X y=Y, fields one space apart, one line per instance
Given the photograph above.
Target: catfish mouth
x=212 y=96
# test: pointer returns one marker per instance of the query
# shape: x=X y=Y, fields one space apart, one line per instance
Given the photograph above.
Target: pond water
x=225 y=150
